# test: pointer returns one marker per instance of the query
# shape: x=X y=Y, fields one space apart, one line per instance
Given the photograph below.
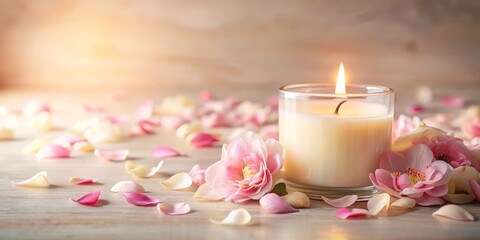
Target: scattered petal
x=378 y=203
x=236 y=217
x=454 y=212
x=83 y=146
x=197 y=174
x=83 y=181
x=112 y=155
x=475 y=187
x=38 y=180
x=141 y=171
x=273 y=203
x=178 y=181
x=68 y=141
x=200 y=139
x=42 y=122
x=404 y=202
x=35 y=146
x=214 y=120
x=342 y=202
x=453 y=101
x=53 y=151
x=172 y=122
x=173 y=209
x=145 y=110
x=35 y=107
x=297 y=200
x=89 y=199
x=165 y=152
x=415 y=109
x=187 y=128
x=140 y=199
x=345 y=213
x=127 y=186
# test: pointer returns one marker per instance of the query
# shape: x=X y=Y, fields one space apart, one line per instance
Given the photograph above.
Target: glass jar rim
x=289 y=90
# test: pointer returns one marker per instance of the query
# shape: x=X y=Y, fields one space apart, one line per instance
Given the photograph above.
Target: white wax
x=323 y=149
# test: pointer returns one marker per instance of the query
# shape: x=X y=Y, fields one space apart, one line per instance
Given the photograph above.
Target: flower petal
x=237 y=217
x=112 y=155
x=201 y=139
x=342 y=202
x=53 y=151
x=297 y=200
x=453 y=101
x=459 y=198
x=415 y=109
x=187 y=128
x=83 y=146
x=345 y=213
x=141 y=171
x=140 y=199
x=454 y=212
x=275 y=204
x=378 y=203
x=89 y=199
x=164 y=152
x=475 y=187
x=178 y=181
x=83 y=181
x=34 y=146
x=173 y=209
x=197 y=174
x=404 y=202
x=127 y=186
x=39 y=180
x=172 y=122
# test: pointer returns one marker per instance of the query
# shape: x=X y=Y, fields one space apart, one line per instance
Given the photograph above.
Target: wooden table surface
x=30 y=213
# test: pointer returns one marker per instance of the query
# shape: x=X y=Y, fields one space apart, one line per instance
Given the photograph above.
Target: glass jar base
x=316 y=192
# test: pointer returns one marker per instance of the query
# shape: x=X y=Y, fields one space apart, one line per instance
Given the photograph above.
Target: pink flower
x=404 y=124
x=452 y=150
x=247 y=170
x=472 y=128
x=415 y=174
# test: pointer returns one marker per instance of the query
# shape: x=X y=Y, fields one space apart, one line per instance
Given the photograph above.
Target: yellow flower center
x=415 y=176
x=247 y=172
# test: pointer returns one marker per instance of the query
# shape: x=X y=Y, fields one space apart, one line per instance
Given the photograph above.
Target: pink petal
x=38 y=180
x=200 y=139
x=342 y=202
x=144 y=127
x=214 y=120
x=427 y=200
x=345 y=213
x=172 y=122
x=275 y=204
x=207 y=96
x=454 y=212
x=475 y=187
x=415 y=109
x=164 y=152
x=145 y=110
x=53 y=151
x=453 y=101
x=174 y=209
x=83 y=181
x=197 y=174
x=269 y=131
x=140 y=199
x=89 y=199
x=112 y=155
x=273 y=102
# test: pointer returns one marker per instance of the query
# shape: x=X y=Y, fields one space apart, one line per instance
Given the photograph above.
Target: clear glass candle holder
x=333 y=141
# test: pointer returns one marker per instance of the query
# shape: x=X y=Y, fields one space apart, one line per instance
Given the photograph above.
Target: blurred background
x=141 y=44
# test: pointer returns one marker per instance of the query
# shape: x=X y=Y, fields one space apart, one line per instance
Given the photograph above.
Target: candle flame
x=340 y=87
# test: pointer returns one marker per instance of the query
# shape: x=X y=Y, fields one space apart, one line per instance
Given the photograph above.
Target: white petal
x=377 y=203
x=83 y=146
x=178 y=181
x=39 y=180
x=141 y=171
x=173 y=209
x=454 y=212
x=237 y=217
x=342 y=202
x=35 y=146
x=404 y=202
x=127 y=186
x=112 y=155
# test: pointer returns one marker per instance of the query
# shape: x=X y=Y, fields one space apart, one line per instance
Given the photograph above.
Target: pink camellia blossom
x=415 y=174
x=404 y=124
x=247 y=170
x=451 y=150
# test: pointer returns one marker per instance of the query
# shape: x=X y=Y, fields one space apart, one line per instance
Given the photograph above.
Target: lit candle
x=334 y=136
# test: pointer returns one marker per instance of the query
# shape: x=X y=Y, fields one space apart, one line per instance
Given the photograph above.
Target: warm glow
x=340 y=88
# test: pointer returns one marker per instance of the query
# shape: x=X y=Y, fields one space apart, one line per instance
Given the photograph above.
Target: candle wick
x=338 y=106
